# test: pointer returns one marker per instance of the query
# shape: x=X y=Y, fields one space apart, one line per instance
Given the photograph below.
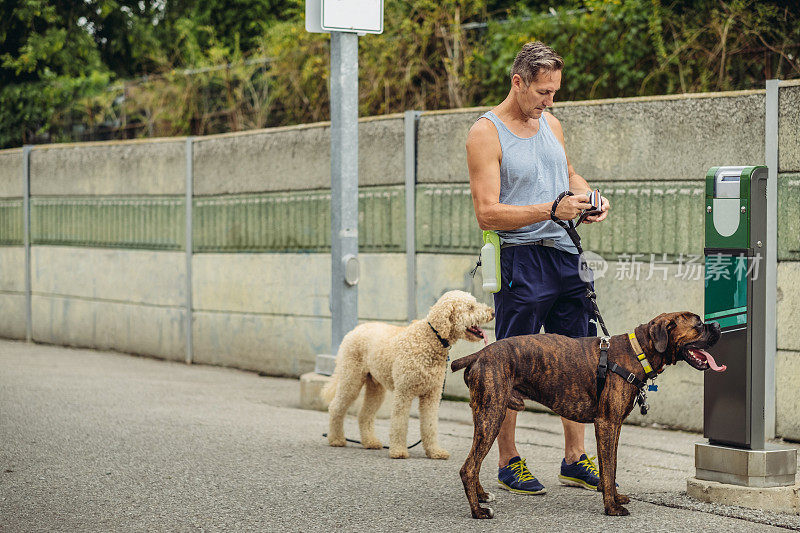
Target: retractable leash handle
x=594 y=198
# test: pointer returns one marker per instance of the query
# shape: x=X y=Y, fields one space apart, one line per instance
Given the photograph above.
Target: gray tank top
x=533 y=170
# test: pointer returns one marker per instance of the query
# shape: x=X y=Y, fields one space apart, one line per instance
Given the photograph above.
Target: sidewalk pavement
x=98 y=441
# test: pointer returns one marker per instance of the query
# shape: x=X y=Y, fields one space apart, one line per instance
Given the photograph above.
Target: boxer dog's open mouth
x=695 y=354
x=701 y=359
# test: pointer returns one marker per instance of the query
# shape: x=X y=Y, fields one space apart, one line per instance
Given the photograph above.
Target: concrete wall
x=261 y=271
x=295 y=158
x=144 y=167
x=12 y=292
x=126 y=300
x=246 y=303
x=11 y=173
x=788 y=126
x=105 y=293
x=12 y=257
x=625 y=138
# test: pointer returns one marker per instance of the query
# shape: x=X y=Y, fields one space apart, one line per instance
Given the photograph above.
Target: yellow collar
x=637 y=349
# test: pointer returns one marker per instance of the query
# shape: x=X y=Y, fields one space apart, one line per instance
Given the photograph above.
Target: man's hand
x=599 y=218
x=571 y=206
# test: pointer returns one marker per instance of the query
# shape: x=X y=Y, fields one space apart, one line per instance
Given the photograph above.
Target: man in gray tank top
x=517 y=167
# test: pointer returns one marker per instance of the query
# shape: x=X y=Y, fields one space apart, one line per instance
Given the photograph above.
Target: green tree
x=78 y=69
x=234 y=24
x=47 y=62
x=640 y=47
x=129 y=34
x=42 y=40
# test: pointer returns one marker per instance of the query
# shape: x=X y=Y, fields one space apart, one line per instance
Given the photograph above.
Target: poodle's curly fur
x=410 y=361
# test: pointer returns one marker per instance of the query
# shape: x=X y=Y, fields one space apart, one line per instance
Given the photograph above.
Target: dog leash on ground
x=602 y=366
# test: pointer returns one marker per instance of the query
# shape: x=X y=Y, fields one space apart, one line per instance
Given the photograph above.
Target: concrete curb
x=776 y=499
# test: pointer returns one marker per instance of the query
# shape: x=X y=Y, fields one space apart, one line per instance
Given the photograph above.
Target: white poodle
x=410 y=361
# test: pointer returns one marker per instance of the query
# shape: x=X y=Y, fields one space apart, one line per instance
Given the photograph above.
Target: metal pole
x=771 y=263
x=189 y=196
x=26 y=236
x=410 y=120
x=344 y=185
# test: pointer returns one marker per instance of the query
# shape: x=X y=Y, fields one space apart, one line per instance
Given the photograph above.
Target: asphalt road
x=96 y=441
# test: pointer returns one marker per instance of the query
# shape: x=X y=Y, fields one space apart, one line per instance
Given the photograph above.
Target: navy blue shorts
x=540 y=286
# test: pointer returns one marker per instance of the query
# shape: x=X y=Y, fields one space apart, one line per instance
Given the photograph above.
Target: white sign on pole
x=352 y=16
x=314 y=16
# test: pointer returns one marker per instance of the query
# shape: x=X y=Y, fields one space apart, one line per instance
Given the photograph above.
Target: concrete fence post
x=771 y=263
x=411 y=119
x=189 y=197
x=26 y=236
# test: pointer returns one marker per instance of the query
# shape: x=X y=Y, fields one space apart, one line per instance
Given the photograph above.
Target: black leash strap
x=569 y=227
x=630 y=377
x=385 y=447
x=602 y=366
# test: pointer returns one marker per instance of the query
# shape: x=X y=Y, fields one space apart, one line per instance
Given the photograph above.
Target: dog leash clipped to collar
x=602 y=365
x=443 y=341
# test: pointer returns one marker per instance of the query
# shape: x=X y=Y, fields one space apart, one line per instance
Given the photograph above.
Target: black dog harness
x=603 y=366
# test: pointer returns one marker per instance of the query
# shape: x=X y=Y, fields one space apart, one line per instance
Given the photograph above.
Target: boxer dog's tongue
x=702 y=354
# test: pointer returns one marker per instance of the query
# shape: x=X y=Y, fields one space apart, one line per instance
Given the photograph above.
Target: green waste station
x=735 y=297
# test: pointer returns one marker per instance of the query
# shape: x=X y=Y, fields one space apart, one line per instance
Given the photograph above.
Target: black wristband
x=555 y=205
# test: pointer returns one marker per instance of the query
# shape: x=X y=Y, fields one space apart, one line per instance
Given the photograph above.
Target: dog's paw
x=484 y=512
x=401 y=453
x=487 y=497
x=617 y=510
x=622 y=499
x=336 y=441
x=438 y=453
x=372 y=444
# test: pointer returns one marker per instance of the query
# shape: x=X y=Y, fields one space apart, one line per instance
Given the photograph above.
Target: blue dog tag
x=652 y=387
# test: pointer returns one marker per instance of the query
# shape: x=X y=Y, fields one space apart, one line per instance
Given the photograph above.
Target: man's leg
x=520 y=311
x=574 y=445
x=506 y=441
x=570 y=316
x=517 y=312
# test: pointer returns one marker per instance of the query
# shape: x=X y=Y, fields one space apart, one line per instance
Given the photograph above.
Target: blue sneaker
x=516 y=477
x=581 y=473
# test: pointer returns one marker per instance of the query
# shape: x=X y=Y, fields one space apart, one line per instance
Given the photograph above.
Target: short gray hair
x=534 y=58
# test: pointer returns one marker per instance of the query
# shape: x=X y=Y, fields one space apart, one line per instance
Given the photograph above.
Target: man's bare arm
x=483 y=160
x=577 y=184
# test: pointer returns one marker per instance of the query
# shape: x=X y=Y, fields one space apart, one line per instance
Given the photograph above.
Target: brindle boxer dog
x=560 y=373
